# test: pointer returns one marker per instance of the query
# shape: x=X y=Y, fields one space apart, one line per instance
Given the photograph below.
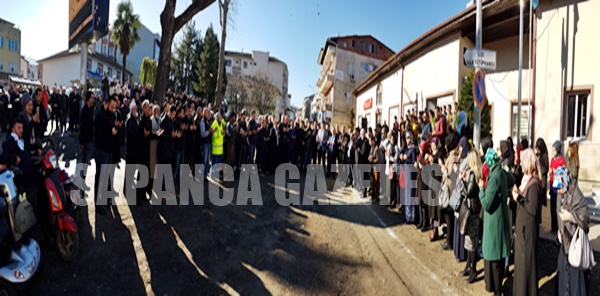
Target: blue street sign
x=535 y=3
x=479 y=88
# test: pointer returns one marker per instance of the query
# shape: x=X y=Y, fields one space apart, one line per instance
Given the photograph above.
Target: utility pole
x=520 y=69
x=478 y=39
x=530 y=74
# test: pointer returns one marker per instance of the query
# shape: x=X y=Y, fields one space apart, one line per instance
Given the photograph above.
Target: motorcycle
x=20 y=255
x=71 y=193
x=63 y=226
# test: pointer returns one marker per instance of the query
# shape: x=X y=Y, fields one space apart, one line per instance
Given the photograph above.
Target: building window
x=1 y=41
x=1 y=66
x=515 y=120
x=118 y=74
x=351 y=70
x=353 y=43
x=103 y=48
x=111 y=52
x=12 y=67
x=227 y=63
x=578 y=115
x=379 y=94
x=371 y=48
x=100 y=68
x=13 y=44
x=378 y=118
x=110 y=71
x=345 y=44
x=363 y=70
x=89 y=64
x=393 y=113
x=245 y=65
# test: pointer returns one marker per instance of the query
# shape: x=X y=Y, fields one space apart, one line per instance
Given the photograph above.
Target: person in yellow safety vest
x=218 y=137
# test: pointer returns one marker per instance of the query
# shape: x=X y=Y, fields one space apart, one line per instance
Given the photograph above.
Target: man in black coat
x=74 y=99
x=86 y=124
x=363 y=149
x=145 y=136
x=63 y=100
x=3 y=110
x=54 y=104
x=133 y=147
x=166 y=148
x=38 y=108
x=14 y=153
x=105 y=135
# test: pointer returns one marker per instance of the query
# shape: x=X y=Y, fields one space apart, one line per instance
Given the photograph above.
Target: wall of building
x=7 y=56
x=61 y=71
x=567 y=39
x=433 y=75
x=502 y=87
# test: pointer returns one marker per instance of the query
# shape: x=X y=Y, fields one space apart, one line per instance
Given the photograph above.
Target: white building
x=258 y=63
x=104 y=57
x=64 y=68
x=429 y=71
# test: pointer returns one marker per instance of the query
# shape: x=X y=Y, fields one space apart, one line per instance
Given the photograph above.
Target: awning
x=20 y=80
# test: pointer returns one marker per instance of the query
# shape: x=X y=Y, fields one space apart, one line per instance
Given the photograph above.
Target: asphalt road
x=349 y=247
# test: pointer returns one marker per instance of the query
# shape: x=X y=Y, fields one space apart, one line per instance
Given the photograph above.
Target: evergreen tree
x=466 y=103
x=183 y=59
x=208 y=66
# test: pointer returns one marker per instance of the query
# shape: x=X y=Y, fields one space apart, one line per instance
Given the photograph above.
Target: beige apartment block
x=345 y=63
x=10 y=51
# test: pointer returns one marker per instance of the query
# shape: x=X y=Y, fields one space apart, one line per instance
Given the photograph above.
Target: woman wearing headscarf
x=449 y=176
x=527 y=197
x=470 y=191
x=557 y=161
x=433 y=209
x=484 y=145
x=459 y=239
x=542 y=153
x=573 y=214
x=461 y=126
x=424 y=158
x=496 y=233
x=409 y=155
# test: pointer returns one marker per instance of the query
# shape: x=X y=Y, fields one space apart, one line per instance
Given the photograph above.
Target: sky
x=293 y=31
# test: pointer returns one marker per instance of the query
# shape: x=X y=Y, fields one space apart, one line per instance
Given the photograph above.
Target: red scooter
x=62 y=225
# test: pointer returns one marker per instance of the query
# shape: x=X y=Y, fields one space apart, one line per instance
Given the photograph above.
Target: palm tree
x=125 y=31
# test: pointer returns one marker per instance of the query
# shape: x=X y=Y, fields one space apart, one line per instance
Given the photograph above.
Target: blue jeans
x=206 y=151
x=101 y=158
x=177 y=161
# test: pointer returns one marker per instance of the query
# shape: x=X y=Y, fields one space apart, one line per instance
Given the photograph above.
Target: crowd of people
x=500 y=188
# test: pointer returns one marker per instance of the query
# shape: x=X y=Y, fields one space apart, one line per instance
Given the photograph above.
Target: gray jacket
x=575 y=204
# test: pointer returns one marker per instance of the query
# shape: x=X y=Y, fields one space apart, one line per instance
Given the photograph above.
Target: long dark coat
x=526 y=240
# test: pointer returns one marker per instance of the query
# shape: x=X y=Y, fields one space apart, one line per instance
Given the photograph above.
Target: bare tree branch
x=186 y=16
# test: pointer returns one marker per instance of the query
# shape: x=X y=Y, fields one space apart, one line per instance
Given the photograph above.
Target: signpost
x=478 y=39
x=479 y=89
x=479 y=58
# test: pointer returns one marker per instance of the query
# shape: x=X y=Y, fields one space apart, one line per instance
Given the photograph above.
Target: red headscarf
x=424 y=149
x=518 y=155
